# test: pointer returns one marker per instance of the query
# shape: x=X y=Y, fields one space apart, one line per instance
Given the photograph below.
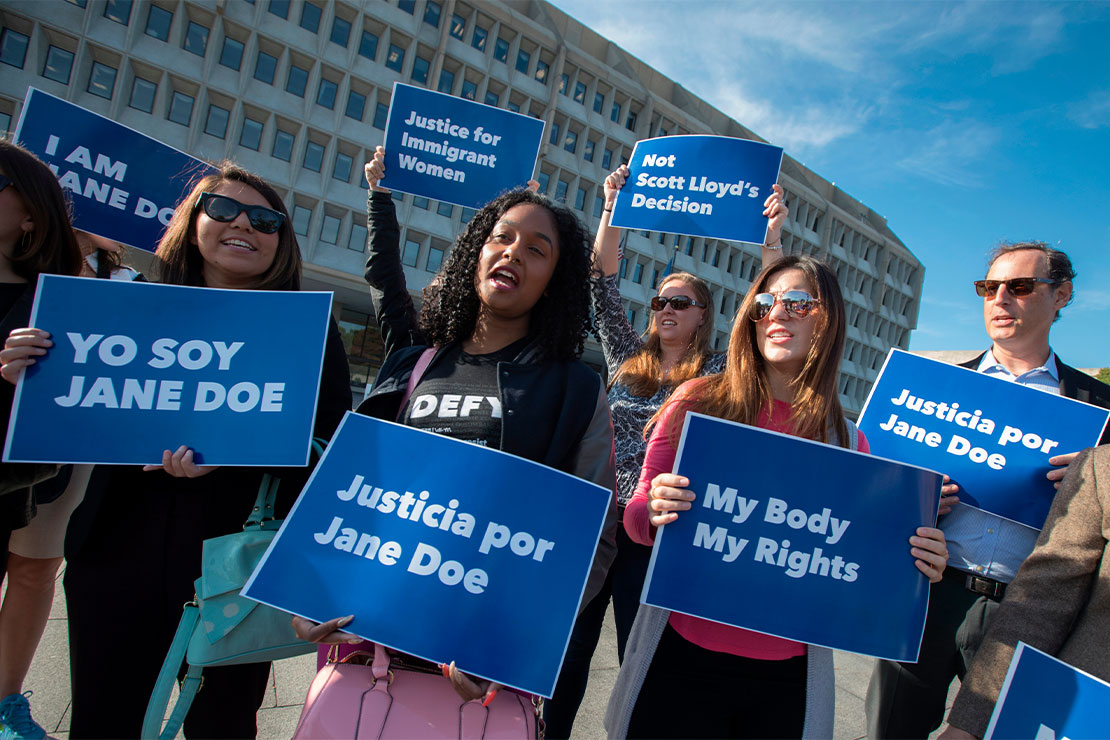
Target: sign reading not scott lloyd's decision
x=712 y=186
x=455 y=150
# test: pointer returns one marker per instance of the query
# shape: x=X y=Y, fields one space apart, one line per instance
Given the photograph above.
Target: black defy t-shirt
x=458 y=397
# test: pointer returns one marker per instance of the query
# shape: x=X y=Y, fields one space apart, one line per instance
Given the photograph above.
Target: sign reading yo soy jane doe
x=796 y=539
x=443 y=549
x=712 y=186
x=233 y=374
x=455 y=150
x=124 y=185
x=993 y=437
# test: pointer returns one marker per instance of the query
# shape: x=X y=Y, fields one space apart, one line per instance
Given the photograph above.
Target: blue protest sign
x=124 y=185
x=234 y=374
x=711 y=186
x=442 y=549
x=796 y=539
x=991 y=436
x=455 y=150
x=1047 y=699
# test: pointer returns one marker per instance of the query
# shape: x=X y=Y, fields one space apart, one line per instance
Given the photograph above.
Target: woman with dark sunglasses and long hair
x=695 y=678
x=643 y=370
x=133 y=548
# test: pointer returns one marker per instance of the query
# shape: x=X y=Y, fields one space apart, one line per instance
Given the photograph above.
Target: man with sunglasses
x=1027 y=285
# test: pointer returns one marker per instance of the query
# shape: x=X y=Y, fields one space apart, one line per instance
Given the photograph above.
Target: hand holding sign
x=774 y=208
x=375 y=170
x=20 y=350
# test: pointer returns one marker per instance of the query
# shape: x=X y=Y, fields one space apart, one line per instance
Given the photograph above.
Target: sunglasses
x=1017 y=287
x=797 y=303
x=223 y=208
x=678 y=303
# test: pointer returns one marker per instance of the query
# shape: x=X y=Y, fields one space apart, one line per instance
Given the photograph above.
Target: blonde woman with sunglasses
x=694 y=678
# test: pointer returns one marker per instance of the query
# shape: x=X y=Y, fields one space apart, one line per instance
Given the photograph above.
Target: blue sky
x=963 y=124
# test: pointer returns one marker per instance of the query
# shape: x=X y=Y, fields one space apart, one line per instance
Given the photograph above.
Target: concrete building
x=299 y=90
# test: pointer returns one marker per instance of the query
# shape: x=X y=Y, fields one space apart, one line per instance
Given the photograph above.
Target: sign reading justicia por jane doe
x=455 y=150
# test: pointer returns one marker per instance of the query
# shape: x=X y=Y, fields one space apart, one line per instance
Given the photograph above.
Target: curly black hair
x=560 y=318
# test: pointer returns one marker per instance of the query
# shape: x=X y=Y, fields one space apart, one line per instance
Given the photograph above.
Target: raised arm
x=774 y=208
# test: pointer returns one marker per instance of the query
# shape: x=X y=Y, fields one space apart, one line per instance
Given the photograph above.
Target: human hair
x=643 y=371
x=1057 y=263
x=180 y=260
x=50 y=246
x=741 y=391
x=561 y=317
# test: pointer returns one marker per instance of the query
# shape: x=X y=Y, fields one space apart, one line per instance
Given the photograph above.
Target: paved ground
x=49 y=679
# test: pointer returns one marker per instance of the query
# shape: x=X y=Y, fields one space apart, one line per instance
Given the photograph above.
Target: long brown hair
x=643 y=371
x=51 y=246
x=180 y=260
x=742 y=391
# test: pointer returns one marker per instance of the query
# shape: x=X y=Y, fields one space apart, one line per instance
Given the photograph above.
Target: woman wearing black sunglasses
x=781 y=374
x=133 y=548
x=643 y=370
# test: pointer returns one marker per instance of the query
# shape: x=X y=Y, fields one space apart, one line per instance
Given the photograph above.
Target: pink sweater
x=714 y=636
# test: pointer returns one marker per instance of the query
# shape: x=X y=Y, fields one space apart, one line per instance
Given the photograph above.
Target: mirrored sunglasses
x=1017 y=287
x=678 y=303
x=225 y=209
x=797 y=303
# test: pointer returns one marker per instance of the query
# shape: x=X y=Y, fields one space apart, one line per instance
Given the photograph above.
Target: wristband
x=607 y=210
x=774 y=247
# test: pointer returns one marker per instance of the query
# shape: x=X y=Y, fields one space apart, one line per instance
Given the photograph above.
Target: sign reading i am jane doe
x=711 y=186
x=233 y=374
x=796 y=539
x=1047 y=699
x=440 y=548
x=992 y=437
x=124 y=185
x=455 y=150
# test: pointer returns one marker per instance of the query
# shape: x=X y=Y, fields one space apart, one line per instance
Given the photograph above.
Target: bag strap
x=422 y=363
x=263 y=510
x=160 y=697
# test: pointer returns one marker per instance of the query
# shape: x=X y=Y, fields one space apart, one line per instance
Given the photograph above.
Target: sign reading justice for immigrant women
x=443 y=549
x=233 y=374
x=992 y=437
x=711 y=186
x=796 y=539
x=455 y=150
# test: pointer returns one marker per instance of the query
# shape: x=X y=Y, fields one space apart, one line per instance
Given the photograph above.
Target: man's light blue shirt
x=986 y=544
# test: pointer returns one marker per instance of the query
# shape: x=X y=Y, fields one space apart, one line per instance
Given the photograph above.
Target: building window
x=343 y=166
x=599 y=205
x=571 y=142
x=325 y=95
x=329 y=230
x=59 y=63
x=419 y=201
x=158 y=22
x=313 y=156
x=458 y=26
x=409 y=6
x=280 y=8
x=655 y=277
x=368 y=46
x=588 y=152
x=716 y=257
x=446 y=81
x=501 y=50
x=301 y=217
x=357 y=240
x=561 y=188
x=297 y=80
x=630 y=123
x=624 y=268
x=435 y=259
x=264 y=67
x=216 y=125
x=607 y=159
x=232 y=53
x=599 y=101
x=181 y=108
x=412 y=250
x=445 y=209
x=396 y=57
x=283 y=149
x=545 y=182
x=478 y=40
x=340 y=31
x=420 y=67
x=638 y=274
x=580 y=199
x=381 y=115
x=523 y=60
x=196 y=39
x=492 y=98
x=580 y=92
x=142 y=94
x=118 y=11
x=554 y=139
x=432 y=11
x=469 y=90
x=79 y=4
x=513 y=106
x=466 y=215
x=13 y=47
x=356 y=105
x=310 y=17
x=102 y=80
x=615 y=113
x=564 y=83
x=251 y=135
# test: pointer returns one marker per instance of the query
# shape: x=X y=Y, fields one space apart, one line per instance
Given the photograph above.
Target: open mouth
x=668 y=322
x=504 y=279
x=239 y=244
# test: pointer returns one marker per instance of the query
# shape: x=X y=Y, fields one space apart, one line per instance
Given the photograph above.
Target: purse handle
x=263 y=512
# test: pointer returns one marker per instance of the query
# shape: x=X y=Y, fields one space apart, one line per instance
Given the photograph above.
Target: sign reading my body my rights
x=455 y=150
x=796 y=539
x=711 y=186
x=124 y=184
x=234 y=374
x=442 y=549
x=1047 y=699
x=993 y=437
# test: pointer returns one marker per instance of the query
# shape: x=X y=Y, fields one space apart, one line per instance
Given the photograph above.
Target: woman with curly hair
x=496 y=352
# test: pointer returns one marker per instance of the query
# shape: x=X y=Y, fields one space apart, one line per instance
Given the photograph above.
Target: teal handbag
x=221 y=627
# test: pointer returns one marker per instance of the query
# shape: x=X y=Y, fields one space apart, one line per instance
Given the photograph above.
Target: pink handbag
x=388 y=700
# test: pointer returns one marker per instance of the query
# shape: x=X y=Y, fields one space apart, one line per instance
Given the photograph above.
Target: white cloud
x=1092 y=112
x=951 y=152
x=1091 y=301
